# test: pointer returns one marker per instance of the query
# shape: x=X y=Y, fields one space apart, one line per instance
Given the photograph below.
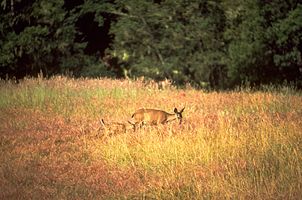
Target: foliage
x=212 y=44
x=41 y=36
x=173 y=39
x=264 y=42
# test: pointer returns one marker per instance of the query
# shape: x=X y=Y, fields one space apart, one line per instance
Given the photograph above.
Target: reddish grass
x=230 y=145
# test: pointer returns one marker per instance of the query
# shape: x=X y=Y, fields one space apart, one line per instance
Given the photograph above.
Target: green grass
x=231 y=145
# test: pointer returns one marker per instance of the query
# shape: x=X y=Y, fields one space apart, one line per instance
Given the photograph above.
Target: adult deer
x=154 y=117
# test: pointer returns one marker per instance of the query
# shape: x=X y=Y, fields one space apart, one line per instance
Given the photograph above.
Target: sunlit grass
x=231 y=145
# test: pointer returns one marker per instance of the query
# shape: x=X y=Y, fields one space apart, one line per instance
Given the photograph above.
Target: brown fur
x=154 y=117
x=113 y=128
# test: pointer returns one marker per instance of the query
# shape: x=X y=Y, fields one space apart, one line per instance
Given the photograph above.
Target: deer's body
x=154 y=116
x=113 y=128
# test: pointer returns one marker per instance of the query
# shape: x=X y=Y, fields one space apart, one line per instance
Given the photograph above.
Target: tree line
x=215 y=44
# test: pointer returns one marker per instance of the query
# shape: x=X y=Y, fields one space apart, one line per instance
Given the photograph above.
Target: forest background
x=207 y=44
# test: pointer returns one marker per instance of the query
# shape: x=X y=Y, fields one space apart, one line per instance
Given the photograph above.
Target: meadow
x=239 y=144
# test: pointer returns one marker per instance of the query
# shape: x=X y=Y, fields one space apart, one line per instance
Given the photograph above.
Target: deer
x=112 y=128
x=154 y=117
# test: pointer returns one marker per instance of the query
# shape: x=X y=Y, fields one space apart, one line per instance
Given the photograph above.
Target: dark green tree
x=286 y=45
x=47 y=36
x=264 y=41
x=179 y=40
x=215 y=44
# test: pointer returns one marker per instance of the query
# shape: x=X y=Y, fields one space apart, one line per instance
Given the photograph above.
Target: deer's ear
x=102 y=122
x=182 y=110
x=175 y=110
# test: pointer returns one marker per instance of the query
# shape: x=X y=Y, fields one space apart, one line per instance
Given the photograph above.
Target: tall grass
x=231 y=145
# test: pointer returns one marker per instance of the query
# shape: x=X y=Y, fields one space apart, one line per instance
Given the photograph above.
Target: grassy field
x=231 y=145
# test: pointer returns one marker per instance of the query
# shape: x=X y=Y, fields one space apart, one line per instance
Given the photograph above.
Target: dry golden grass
x=231 y=145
